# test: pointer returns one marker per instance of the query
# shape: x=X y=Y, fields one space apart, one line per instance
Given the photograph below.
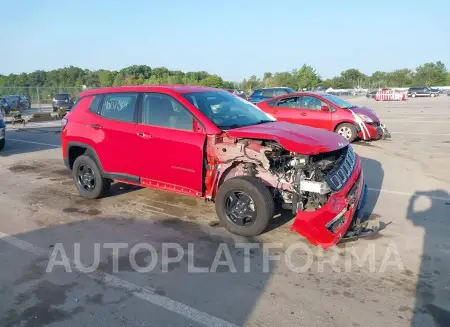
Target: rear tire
x=261 y=201
x=433 y=95
x=413 y=95
x=348 y=131
x=100 y=185
x=2 y=144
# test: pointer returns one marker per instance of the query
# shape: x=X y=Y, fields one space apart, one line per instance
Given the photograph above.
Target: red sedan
x=326 y=111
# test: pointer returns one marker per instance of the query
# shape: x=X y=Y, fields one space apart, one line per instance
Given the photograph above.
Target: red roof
x=179 y=88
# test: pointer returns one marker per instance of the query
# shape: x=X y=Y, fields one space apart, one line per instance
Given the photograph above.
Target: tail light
x=64 y=122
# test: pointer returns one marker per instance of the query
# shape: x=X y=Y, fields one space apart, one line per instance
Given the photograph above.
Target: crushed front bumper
x=343 y=214
x=374 y=132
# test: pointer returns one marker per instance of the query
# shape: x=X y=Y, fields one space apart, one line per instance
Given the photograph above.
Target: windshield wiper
x=228 y=126
x=263 y=122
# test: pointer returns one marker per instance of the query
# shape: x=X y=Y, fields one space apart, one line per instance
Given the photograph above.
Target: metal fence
x=40 y=97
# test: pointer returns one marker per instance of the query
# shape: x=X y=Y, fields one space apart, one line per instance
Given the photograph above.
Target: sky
x=234 y=39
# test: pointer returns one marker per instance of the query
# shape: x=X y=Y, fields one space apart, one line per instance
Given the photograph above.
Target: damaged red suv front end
x=314 y=173
x=343 y=213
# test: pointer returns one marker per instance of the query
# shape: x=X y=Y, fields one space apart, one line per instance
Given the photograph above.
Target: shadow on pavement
x=116 y=293
x=431 y=211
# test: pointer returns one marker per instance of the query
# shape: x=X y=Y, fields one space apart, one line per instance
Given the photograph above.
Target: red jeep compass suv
x=209 y=143
x=328 y=112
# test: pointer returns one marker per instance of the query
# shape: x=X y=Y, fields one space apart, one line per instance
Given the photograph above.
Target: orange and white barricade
x=389 y=95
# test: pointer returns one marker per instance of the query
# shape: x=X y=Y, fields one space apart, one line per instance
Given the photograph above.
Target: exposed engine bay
x=297 y=182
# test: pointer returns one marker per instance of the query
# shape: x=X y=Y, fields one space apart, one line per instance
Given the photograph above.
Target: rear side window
x=268 y=93
x=164 y=111
x=256 y=93
x=119 y=106
x=95 y=104
x=279 y=92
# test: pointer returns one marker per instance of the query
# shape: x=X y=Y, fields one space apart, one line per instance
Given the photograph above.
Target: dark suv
x=422 y=92
x=62 y=101
x=267 y=93
x=18 y=102
x=5 y=108
x=2 y=132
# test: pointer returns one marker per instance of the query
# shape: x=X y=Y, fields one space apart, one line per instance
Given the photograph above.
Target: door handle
x=96 y=126
x=144 y=135
x=303 y=114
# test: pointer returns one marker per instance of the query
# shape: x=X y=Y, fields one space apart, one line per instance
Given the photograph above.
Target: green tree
x=306 y=77
x=430 y=74
x=213 y=81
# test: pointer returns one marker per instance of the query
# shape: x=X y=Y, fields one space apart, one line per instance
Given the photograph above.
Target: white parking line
x=406 y=194
x=31 y=142
x=143 y=293
x=420 y=121
x=430 y=134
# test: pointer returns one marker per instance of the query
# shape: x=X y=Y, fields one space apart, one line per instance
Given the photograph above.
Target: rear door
x=113 y=128
x=171 y=146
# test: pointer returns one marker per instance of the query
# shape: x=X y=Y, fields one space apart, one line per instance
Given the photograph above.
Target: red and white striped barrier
x=390 y=95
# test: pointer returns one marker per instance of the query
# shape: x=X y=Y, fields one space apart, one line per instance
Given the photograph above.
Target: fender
x=89 y=150
x=361 y=124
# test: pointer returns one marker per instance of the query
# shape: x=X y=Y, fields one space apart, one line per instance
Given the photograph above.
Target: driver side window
x=291 y=102
x=164 y=111
x=311 y=103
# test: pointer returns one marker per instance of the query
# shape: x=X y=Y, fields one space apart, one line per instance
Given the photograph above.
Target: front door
x=171 y=151
x=310 y=109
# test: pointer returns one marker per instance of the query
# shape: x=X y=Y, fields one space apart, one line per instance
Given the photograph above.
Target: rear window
x=13 y=98
x=62 y=96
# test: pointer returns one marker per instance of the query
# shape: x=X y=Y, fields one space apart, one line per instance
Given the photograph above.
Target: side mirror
x=325 y=108
x=197 y=127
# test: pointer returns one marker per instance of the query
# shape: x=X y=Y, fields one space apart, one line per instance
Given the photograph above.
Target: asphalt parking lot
x=399 y=277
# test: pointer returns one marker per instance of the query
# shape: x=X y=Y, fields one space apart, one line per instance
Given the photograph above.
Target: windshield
x=226 y=110
x=338 y=101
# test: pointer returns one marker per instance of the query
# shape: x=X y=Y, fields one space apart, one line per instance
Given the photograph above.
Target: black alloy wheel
x=240 y=208
x=86 y=177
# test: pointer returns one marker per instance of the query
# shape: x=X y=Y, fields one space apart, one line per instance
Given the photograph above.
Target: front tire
x=244 y=206
x=433 y=95
x=348 y=131
x=88 y=179
x=413 y=95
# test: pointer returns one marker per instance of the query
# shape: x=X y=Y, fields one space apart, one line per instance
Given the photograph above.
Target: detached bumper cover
x=343 y=212
x=374 y=132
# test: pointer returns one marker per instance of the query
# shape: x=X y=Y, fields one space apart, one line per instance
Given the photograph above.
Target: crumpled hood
x=293 y=137
x=366 y=111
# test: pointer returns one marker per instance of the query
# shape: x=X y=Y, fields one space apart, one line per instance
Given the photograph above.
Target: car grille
x=339 y=175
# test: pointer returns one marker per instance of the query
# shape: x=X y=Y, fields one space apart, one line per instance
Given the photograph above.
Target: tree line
x=306 y=77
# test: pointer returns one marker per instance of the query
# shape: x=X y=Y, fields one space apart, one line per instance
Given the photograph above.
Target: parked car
x=207 y=143
x=18 y=102
x=5 y=108
x=422 y=92
x=62 y=101
x=371 y=94
x=239 y=93
x=268 y=93
x=328 y=112
x=2 y=132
